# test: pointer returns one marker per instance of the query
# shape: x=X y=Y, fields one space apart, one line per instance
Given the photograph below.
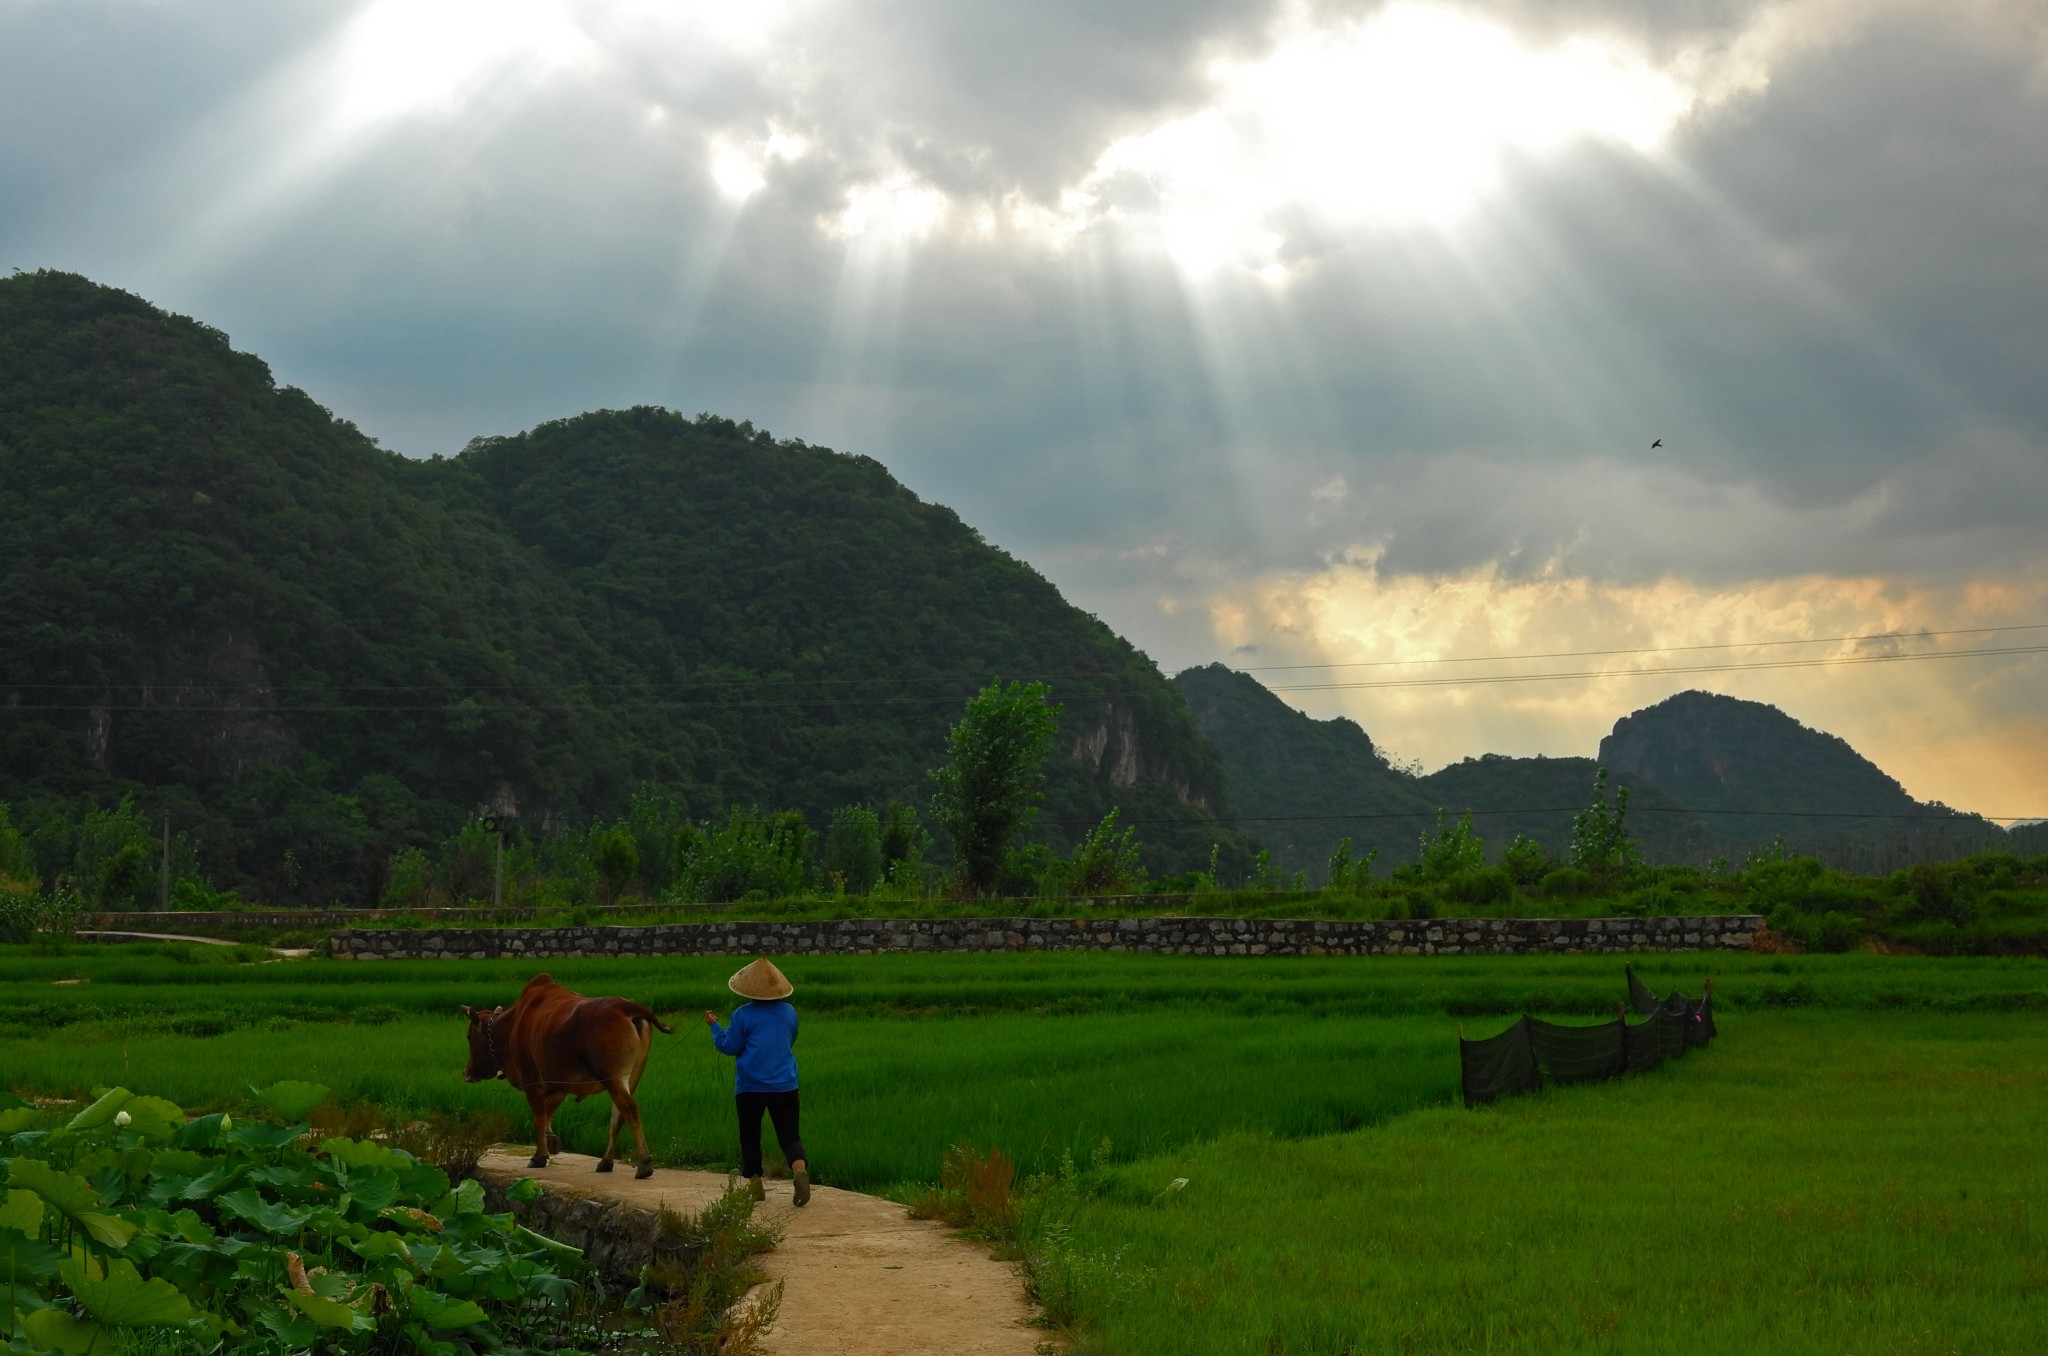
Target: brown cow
x=551 y=1044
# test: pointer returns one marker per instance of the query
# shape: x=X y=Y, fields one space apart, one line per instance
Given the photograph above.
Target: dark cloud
x=1831 y=302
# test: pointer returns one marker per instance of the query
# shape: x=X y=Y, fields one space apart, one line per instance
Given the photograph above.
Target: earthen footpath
x=860 y=1276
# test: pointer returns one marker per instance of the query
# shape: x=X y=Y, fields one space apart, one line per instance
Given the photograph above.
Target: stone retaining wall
x=617 y=1239
x=1161 y=936
x=240 y=920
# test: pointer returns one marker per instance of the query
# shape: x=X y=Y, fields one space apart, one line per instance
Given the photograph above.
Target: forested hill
x=1707 y=775
x=222 y=599
x=1304 y=783
x=814 y=627
x=1750 y=764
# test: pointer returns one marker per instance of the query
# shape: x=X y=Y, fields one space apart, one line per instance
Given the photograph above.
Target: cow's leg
x=543 y=1113
x=625 y=1109
x=611 y=1141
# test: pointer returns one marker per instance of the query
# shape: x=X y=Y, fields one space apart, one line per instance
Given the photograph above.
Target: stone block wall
x=1156 y=936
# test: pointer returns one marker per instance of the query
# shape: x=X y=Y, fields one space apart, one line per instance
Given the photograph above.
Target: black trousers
x=781 y=1109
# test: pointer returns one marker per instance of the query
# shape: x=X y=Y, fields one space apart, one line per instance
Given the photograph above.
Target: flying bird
x=1659 y=443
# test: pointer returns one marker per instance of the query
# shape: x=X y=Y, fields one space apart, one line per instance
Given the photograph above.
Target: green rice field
x=1857 y=1165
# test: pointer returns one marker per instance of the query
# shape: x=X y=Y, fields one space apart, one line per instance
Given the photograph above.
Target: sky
x=1345 y=343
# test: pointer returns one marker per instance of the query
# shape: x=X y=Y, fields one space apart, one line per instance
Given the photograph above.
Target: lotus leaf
x=55 y=1330
x=329 y=1313
x=256 y=1135
x=204 y=1132
x=363 y=1153
x=67 y=1192
x=101 y=1112
x=111 y=1230
x=123 y=1298
x=22 y=1211
x=273 y=1217
x=439 y=1311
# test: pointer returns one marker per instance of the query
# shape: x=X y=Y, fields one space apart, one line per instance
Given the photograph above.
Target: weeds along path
x=860 y=1276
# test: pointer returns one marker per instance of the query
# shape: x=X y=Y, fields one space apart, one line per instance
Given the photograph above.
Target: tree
x=1600 y=838
x=1451 y=849
x=993 y=776
x=853 y=848
x=1106 y=862
x=616 y=859
x=1348 y=872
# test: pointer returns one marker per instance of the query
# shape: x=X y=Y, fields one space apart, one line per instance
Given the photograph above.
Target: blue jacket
x=762 y=1034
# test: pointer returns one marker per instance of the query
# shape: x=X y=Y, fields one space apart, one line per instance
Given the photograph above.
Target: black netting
x=1520 y=1058
x=1645 y=1047
x=1499 y=1065
x=1640 y=998
x=1578 y=1054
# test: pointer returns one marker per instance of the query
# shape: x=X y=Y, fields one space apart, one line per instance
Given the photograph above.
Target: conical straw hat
x=760 y=980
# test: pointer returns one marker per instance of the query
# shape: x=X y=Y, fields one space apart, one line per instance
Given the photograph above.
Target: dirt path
x=860 y=1277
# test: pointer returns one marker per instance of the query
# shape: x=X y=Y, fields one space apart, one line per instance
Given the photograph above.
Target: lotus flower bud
x=121 y=1118
x=227 y=1123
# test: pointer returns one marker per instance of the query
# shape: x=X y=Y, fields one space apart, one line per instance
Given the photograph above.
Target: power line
x=759 y=681
x=1650 y=649
x=447 y=706
x=1757 y=665
x=1958 y=817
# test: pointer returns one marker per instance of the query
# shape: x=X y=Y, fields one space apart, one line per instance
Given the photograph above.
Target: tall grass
x=1818 y=1182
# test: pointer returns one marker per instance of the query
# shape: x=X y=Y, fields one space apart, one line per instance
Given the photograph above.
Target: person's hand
x=710 y=1017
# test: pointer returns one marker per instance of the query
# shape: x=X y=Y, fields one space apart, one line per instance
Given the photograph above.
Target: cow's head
x=485 y=1063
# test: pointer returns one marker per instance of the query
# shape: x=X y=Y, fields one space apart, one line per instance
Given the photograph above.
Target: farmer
x=764 y=1079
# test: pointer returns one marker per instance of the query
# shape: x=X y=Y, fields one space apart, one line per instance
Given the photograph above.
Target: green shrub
x=411 y=883
x=1942 y=893
x=1792 y=925
x=1452 y=848
x=1488 y=885
x=1568 y=882
x=1349 y=873
x=1106 y=862
x=750 y=853
x=1838 y=932
x=1526 y=861
x=1655 y=901
x=853 y=848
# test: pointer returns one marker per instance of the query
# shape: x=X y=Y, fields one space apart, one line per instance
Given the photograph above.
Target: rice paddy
x=1854 y=1166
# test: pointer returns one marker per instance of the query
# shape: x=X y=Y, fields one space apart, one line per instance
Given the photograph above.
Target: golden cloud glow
x=1963 y=731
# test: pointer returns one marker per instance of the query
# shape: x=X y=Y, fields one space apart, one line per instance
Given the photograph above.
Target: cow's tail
x=640 y=1012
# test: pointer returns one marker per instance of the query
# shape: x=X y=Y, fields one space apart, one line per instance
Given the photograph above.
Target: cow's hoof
x=605 y=1166
x=537 y=1161
x=646 y=1171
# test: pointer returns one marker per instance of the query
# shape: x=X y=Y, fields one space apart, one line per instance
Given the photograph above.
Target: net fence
x=1533 y=1051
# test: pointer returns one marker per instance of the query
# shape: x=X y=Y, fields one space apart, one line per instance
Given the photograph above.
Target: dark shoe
x=757 y=1189
x=803 y=1187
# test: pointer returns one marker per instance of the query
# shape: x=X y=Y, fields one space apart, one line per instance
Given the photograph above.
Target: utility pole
x=164 y=884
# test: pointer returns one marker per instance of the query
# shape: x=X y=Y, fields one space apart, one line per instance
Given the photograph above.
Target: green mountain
x=1707 y=776
x=223 y=601
x=1538 y=797
x=1302 y=784
x=1760 y=774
